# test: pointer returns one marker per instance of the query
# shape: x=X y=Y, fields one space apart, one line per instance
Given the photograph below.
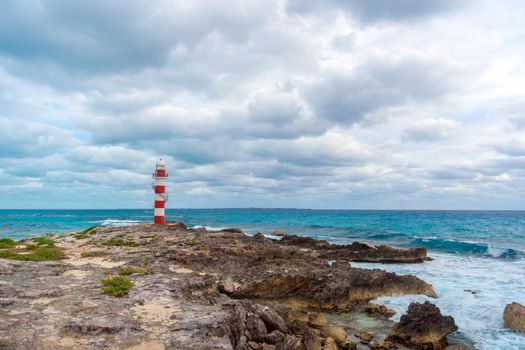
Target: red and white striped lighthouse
x=159 y=185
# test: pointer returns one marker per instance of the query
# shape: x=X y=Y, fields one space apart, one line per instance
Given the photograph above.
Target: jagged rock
x=271 y=318
x=289 y=343
x=317 y=320
x=423 y=327
x=365 y=337
x=337 y=333
x=312 y=340
x=378 y=309
x=274 y=337
x=514 y=317
x=278 y=233
x=191 y=297
x=330 y=344
x=358 y=251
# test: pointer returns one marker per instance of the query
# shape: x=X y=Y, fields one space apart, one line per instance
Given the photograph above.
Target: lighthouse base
x=159 y=220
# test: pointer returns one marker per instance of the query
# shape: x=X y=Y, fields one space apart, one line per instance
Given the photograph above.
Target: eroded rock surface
x=358 y=251
x=514 y=317
x=423 y=327
x=201 y=290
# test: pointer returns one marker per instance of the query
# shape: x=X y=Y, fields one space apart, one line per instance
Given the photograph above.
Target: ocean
x=479 y=256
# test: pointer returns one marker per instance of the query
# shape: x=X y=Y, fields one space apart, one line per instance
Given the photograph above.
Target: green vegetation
x=86 y=233
x=43 y=241
x=126 y=271
x=119 y=242
x=192 y=242
x=117 y=286
x=149 y=236
x=37 y=254
x=43 y=250
x=7 y=243
x=94 y=254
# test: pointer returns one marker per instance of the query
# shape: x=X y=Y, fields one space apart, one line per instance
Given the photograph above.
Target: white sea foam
x=490 y=284
x=209 y=228
x=113 y=222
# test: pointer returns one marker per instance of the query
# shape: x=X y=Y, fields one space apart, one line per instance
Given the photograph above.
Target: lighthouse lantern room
x=159 y=185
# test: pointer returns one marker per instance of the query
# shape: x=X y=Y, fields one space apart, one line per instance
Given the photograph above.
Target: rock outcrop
x=423 y=327
x=358 y=251
x=514 y=317
x=192 y=289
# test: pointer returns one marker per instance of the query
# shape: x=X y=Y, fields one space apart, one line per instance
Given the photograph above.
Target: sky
x=345 y=104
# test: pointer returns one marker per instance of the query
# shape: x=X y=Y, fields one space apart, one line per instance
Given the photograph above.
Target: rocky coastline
x=170 y=287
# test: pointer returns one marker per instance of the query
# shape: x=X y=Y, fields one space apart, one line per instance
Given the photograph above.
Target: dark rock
x=289 y=343
x=97 y=326
x=365 y=337
x=271 y=318
x=312 y=340
x=274 y=337
x=514 y=317
x=379 y=310
x=423 y=327
x=358 y=251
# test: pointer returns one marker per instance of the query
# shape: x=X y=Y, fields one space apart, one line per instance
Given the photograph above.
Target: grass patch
x=146 y=237
x=86 y=233
x=43 y=241
x=94 y=254
x=119 y=242
x=7 y=243
x=126 y=271
x=37 y=254
x=192 y=242
x=116 y=286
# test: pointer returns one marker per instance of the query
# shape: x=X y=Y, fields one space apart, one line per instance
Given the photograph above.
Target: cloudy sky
x=374 y=104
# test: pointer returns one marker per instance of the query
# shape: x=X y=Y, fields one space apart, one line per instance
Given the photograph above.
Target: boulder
x=379 y=310
x=423 y=327
x=278 y=233
x=514 y=317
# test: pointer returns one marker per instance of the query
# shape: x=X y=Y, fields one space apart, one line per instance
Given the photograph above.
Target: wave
x=114 y=222
x=209 y=228
x=466 y=247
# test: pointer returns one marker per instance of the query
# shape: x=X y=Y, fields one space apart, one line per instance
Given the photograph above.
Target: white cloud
x=277 y=103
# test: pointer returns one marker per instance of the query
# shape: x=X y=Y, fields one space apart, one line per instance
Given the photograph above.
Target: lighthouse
x=159 y=185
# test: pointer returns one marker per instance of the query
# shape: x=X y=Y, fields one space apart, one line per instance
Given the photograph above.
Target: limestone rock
x=330 y=344
x=514 y=317
x=379 y=310
x=358 y=251
x=312 y=340
x=423 y=327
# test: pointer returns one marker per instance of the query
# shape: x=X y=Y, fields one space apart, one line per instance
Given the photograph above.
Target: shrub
x=94 y=254
x=192 y=242
x=119 y=242
x=86 y=233
x=7 y=243
x=43 y=241
x=38 y=254
x=117 y=286
x=126 y=271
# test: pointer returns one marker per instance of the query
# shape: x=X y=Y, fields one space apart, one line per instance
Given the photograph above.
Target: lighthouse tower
x=159 y=185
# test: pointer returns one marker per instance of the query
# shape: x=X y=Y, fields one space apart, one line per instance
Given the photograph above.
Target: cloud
x=349 y=96
x=430 y=130
x=276 y=103
x=377 y=10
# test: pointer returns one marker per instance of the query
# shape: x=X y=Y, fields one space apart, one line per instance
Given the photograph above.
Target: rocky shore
x=170 y=287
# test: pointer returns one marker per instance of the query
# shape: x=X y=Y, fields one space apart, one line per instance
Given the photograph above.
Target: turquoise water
x=481 y=251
